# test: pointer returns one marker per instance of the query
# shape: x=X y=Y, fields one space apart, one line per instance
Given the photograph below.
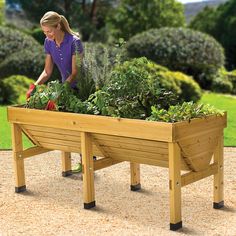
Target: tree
x=132 y=17
x=221 y=24
x=88 y=16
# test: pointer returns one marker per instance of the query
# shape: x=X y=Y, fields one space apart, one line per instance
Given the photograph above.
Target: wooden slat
x=134 y=146
x=32 y=151
x=197 y=139
x=51 y=130
x=192 y=177
x=57 y=136
x=128 y=152
x=184 y=130
x=104 y=162
x=136 y=141
x=137 y=159
x=159 y=131
x=61 y=147
x=200 y=161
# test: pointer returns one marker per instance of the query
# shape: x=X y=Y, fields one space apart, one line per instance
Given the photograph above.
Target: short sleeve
x=77 y=46
x=46 y=46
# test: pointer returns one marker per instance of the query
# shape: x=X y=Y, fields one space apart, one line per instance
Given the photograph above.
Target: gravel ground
x=53 y=205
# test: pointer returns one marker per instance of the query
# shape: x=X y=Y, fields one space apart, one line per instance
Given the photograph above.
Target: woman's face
x=50 y=32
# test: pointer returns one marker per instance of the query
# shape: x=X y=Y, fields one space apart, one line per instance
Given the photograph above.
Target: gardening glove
x=51 y=106
x=31 y=90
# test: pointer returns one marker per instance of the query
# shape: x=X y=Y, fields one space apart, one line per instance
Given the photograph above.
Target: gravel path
x=53 y=205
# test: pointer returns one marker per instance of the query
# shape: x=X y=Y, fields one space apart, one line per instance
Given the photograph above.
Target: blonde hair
x=52 y=19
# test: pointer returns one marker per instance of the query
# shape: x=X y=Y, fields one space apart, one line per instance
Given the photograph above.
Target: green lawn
x=223 y=102
x=227 y=103
x=5 y=131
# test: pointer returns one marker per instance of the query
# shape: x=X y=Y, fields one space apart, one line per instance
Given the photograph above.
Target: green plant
x=180 y=49
x=12 y=88
x=62 y=95
x=224 y=82
x=133 y=88
x=96 y=66
x=13 y=41
x=185 y=111
x=24 y=62
x=38 y=35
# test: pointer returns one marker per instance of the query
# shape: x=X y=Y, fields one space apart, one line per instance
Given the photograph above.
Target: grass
x=223 y=102
x=227 y=103
x=5 y=131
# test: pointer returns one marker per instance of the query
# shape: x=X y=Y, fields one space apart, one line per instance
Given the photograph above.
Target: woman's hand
x=30 y=91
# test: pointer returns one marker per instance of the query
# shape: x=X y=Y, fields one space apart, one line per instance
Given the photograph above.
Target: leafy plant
x=62 y=95
x=184 y=111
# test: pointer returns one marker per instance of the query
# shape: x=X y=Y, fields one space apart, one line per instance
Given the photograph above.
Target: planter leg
x=135 y=176
x=88 y=170
x=175 y=186
x=66 y=163
x=18 y=159
x=219 y=176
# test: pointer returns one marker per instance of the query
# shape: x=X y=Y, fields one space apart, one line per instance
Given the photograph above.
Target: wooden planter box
x=195 y=147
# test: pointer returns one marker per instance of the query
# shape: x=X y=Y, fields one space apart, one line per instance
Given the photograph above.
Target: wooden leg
x=88 y=170
x=219 y=176
x=18 y=160
x=66 y=163
x=175 y=186
x=135 y=176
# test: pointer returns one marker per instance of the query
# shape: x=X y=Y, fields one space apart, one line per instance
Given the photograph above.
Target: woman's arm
x=47 y=70
x=75 y=63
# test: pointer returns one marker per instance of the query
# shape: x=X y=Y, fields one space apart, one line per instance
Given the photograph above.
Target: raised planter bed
x=195 y=147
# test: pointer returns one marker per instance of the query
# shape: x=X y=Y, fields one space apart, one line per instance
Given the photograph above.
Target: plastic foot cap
x=176 y=226
x=89 y=205
x=218 y=205
x=20 y=189
x=135 y=187
x=66 y=173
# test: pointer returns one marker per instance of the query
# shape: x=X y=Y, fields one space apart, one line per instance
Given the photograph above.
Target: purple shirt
x=62 y=56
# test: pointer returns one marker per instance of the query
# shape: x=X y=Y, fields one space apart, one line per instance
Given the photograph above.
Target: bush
x=189 y=90
x=12 y=88
x=185 y=50
x=12 y=41
x=225 y=81
x=232 y=78
x=25 y=62
x=136 y=85
x=38 y=35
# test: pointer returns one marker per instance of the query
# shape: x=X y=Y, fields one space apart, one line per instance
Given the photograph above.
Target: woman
x=61 y=46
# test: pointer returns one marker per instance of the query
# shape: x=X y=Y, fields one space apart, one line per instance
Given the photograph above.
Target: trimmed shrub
x=12 y=88
x=191 y=52
x=225 y=81
x=25 y=62
x=12 y=41
x=38 y=35
x=189 y=90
